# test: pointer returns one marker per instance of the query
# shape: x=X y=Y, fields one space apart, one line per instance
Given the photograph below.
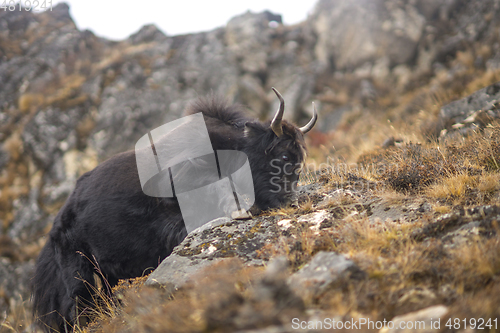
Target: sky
x=119 y=19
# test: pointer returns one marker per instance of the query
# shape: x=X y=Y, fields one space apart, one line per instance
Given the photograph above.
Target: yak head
x=276 y=150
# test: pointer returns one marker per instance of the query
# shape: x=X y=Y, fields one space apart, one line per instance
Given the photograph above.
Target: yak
x=108 y=229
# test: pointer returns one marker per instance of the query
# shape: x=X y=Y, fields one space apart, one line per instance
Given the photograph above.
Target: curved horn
x=311 y=122
x=276 y=123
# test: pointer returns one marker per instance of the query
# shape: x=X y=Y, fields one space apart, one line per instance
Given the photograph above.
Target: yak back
x=225 y=123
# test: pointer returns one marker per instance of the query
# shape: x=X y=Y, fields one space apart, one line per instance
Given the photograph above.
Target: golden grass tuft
x=455 y=186
x=30 y=102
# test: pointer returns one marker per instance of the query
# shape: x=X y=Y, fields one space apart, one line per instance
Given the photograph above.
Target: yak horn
x=311 y=122
x=276 y=123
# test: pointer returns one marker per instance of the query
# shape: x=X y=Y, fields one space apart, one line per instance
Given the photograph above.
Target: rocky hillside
x=382 y=72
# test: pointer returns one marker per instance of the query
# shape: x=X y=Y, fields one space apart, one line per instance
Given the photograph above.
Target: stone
x=14 y=282
x=326 y=270
x=470 y=113
x=427 y=320
x=351 y=33
x=214 y=241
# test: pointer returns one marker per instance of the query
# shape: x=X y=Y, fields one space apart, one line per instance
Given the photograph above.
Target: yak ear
x=254 y=128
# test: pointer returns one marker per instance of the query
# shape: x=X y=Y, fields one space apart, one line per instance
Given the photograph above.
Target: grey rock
x=351 y=33
x=4 y=158
x=212 y=242
x=14 y=282
x=270 y=289
x=29 y=219
x=428 y=8
x=176 y=270
x=461 y=225
x=248 y=38
x=147 y=33
x=427 y=320
x=51 y=133
x=326 y=270
x=464 y=234
x=368 y=93
x=145 y=96
x=277 y=268
x=382 y=210
x=483 y=99
x=472 y=112
x=493 y=63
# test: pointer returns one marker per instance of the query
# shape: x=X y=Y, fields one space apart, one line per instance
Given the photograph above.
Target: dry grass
x=461 y=172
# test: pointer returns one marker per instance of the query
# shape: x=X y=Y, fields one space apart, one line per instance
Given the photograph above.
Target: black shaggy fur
x=109 y=228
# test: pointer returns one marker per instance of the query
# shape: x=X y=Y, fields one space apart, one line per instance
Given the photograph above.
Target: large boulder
x=351 y=33
x=471 y=113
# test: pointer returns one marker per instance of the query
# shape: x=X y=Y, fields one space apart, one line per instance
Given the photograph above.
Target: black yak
x=108 y=228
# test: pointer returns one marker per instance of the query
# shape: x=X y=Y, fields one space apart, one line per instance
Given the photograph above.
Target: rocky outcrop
x=428 y=320
x=471 y=113
x=325 y=270
x=212 y=242
x=351 y=33
x=223 y=239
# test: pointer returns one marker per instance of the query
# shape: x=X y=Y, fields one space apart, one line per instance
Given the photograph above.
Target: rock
x=351 y=33
x=390 y=142
x=272 y=293
x=50 y=134
x=176 y=270
x=248 y=37
x=30 y=220
x=276 y=269
x=368 y=93
x=326 y=270
x=60 y=13
x=382 y=211
x=267 y=301
x=461 y=225
x=428 y=8
x=217 y=240
x=472 y=112
x=146 y=34
x=14 y=283
x=4 y=158
x=428 y=319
